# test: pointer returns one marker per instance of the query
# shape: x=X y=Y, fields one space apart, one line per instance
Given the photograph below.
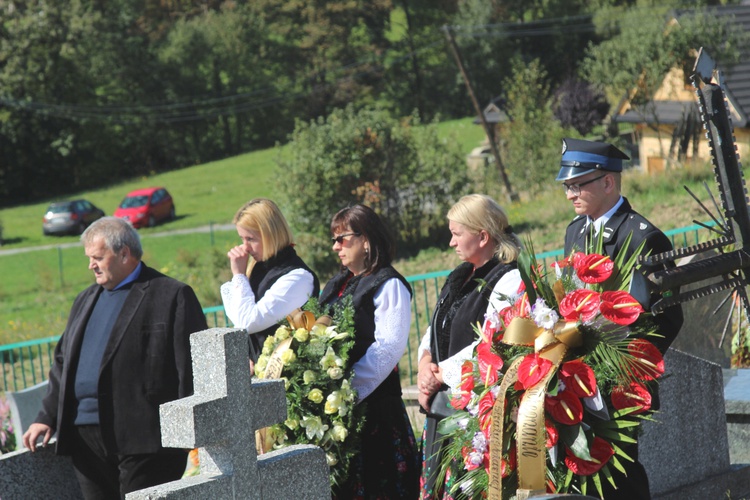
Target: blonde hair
x=479 y=212
x=263 y=216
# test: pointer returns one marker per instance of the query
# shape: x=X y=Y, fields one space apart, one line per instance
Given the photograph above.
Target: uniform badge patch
x=643 y=226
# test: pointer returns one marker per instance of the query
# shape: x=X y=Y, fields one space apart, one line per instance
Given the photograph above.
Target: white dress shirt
x=392 y=321
x=290 y=292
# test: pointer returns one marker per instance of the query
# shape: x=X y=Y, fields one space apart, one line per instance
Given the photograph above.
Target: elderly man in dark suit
x=590 y=173
x=124 y=352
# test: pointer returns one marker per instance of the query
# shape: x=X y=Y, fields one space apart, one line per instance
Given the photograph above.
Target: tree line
x=95 y=91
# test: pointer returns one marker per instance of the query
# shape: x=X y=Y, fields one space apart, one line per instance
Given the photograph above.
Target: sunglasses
x=340 y=238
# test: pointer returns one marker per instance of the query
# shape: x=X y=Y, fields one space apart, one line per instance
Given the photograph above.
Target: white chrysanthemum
x=493 y=320
x=462 y=422
x=544 y=316
x=474 y=458
x=479 y=442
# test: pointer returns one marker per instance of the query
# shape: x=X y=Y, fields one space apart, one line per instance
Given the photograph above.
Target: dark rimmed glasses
x=575 y=189
x=340 y=238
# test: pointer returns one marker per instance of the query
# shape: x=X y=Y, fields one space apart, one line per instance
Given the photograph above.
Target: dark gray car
x=70 y=217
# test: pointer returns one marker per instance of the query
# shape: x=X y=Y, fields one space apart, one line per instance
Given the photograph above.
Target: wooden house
x=667 y=131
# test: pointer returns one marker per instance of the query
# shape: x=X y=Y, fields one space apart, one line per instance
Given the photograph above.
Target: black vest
x=363 y=288
x=263 y=276
x=462 y=303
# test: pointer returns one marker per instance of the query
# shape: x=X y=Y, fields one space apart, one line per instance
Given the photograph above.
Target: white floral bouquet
x=311 y=356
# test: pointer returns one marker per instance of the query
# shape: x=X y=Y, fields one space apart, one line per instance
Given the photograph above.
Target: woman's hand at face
x=238 y=258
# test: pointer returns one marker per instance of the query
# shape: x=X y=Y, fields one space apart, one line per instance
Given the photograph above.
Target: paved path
x=200 y=229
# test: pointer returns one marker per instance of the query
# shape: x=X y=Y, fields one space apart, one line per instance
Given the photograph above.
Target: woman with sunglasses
x=484 y=240
x=269 y=279
x=388 y=464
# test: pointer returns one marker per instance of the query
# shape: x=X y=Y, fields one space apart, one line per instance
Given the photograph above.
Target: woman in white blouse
x=388 y=464
x=269 y=279
x=484 y=240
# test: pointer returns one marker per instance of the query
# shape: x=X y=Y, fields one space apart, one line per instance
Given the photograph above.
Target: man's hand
x=238 y=258
x=32 y=434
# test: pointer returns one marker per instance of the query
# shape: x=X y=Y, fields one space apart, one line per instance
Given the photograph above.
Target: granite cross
x=220 y=419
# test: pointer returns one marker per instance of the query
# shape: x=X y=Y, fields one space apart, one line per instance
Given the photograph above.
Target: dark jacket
x=263 y=276
x=146 y=363
x=624 y=222
x=363 y=290
x=462 y=303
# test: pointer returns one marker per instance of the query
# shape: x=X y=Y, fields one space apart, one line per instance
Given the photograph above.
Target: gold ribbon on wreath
x=297 y=319
x=552 y=345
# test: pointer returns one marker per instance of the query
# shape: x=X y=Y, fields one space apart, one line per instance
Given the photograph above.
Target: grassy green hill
x=37 y=287
x=203 y=194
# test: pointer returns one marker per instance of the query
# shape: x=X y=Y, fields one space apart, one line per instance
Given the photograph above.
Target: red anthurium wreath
x=564 y=375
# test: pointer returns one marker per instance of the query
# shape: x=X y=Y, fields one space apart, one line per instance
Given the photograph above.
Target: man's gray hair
x=117 y=234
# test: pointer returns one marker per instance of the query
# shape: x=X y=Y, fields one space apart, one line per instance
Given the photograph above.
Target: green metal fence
x=27 y=363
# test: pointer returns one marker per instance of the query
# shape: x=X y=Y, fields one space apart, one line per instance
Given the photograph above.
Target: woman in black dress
x=388 y=465
x=484 y=240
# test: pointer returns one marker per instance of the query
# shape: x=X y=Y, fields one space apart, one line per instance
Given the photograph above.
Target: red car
x=146 y=207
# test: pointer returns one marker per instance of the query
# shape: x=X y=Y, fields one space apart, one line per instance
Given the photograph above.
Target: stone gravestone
x=221 y=417
x=24 y=407
x=685 y=448
x=41 y=475
x=737 y=404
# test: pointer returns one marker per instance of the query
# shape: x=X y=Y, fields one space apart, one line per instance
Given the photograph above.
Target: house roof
x=736 y=80
x=669 y=113
x=493 y=113
x=737 y=77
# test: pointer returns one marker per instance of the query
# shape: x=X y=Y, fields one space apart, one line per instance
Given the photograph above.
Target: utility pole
x=512 y=196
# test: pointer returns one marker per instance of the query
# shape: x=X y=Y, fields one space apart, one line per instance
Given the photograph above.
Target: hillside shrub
x=400 y=168
x=533 y=140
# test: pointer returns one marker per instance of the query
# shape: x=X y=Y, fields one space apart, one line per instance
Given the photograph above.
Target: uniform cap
x=580 y=157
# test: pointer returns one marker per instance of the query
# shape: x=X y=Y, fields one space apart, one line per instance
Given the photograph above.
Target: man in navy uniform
x=590 y=173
